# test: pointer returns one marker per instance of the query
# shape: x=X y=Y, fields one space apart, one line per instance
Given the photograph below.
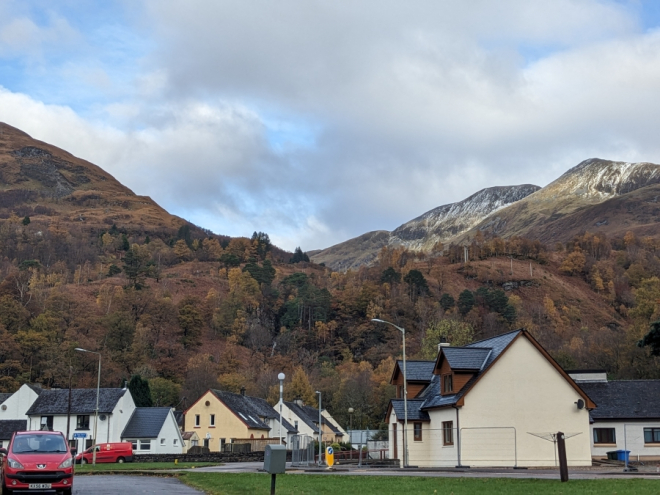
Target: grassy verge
x=140 y=466
x=229 y=484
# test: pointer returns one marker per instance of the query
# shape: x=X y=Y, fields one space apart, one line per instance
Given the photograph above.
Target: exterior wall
x=169 y=439
x=303 y=429
x=193 y=441
x=329 y=417
x=227 y=424
x=522 y=390
x=430 y=451
x=632 y=439
x=275 y=429
x=17 y=405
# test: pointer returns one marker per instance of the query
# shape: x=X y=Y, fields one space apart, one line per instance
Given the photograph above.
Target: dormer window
x=447 y=384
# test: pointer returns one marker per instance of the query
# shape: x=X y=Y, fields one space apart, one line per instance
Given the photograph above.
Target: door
x=396 y=455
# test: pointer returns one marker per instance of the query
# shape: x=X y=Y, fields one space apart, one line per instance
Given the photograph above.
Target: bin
x=612 y=455
x=622 y=455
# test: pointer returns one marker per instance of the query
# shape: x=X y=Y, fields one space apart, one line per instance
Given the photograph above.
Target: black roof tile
x=146 y=422
x=4 y=397
x=83 y=401
x=418 y=371
x=466 y=358
x=9 y=426
x=414 y=411
x=624 y=399
x=249 y=409
x=310 y=415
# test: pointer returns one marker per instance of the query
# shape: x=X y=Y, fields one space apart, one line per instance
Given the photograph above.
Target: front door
x=396 y=455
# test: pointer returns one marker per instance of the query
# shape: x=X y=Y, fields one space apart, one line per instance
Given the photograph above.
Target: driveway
x=129 y=485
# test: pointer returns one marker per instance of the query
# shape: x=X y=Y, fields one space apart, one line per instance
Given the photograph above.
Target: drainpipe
x=458 y=438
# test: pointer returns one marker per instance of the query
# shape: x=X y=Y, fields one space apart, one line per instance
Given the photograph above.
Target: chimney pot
x=243 y=391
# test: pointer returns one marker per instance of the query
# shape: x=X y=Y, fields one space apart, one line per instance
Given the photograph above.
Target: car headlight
x=66 y=464
x=14 y=464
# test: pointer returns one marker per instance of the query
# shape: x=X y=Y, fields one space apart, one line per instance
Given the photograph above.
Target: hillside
x=44 y=182
x=441 y=224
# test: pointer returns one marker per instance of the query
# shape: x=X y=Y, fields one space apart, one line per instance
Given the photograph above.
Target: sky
x=316 y=121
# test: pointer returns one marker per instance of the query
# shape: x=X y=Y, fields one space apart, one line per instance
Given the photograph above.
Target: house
x=627 y=417
x=419 y=375
x=496 y=402
x=305 y=420
x=15 y=406
x=220 y=418
x=8 y=427
x=49 y=412
x=190 y=439
x=153 y=430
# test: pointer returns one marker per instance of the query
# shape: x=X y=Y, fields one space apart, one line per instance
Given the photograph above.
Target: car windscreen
x=38 y=444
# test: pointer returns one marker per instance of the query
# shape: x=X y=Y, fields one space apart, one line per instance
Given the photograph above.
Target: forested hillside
x=187 y=310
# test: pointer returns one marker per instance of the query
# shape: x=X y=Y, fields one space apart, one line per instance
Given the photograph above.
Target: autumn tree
x=455 y=332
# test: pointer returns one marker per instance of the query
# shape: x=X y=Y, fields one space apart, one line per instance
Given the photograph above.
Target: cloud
x=318 y=121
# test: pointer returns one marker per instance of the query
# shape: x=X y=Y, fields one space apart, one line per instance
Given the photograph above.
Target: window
x=295 y=425
x=82 y=423
x=135 y=444
x=222 y=444
x=604 y=435
x=162 y=441
x=447 y=384
x=417 y=429
x=175 y=442
x=194 y=443
x=145 y=444
x=448 y=433
x=651 y=435
x=196 y=420
x=46 y=423
x=88 y=443
x=212 y=420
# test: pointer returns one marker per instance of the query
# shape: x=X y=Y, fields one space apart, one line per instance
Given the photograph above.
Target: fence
x=250 y=444
x=302 y=450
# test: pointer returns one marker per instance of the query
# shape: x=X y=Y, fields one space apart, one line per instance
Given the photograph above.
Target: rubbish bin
x=622 y=455
x=612 y=455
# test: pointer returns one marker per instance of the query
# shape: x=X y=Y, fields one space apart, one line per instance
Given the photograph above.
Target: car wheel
x=5 y=490
x=67 y=491
x=120 y=460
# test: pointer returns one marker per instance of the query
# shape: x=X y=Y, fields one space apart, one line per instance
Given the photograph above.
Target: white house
x=496 y=402
x=627 y=416
x=49 y=412
x=15 y=406
x=305 y=420
x=153 y=430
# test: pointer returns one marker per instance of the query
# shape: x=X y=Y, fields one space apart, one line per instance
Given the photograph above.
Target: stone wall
x=210 y=457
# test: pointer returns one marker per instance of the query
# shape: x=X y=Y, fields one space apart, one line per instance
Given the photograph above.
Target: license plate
x=39 y=486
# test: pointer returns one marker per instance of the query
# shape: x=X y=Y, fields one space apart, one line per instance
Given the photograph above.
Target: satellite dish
x=102 y=417
x=580 y=404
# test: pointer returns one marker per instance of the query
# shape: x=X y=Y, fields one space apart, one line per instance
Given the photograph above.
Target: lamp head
x=80 y=349
x=377 y=320
x=350 y=410
x=281 y=376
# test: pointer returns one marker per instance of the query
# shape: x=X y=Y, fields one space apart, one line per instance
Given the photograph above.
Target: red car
x=37 y=461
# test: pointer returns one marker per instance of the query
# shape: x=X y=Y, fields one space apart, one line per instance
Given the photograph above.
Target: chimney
x=443 y=344
x=298 y=402
x=243 y=391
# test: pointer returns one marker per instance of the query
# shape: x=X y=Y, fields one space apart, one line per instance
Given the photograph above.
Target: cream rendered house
x=496 y=402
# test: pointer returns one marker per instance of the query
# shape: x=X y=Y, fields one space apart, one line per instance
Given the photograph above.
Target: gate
x=302 y=450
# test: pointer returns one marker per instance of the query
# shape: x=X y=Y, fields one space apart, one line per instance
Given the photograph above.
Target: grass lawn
x=229 y=484
x=138 y=466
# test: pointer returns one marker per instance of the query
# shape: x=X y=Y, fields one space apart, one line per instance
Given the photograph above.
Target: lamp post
x=350 y=428
x=281 y=378
x=405 y=391
x=320 y=430
x=96 y=419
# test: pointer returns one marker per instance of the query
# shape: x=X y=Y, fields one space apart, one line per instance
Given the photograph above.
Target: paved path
x=130 y=485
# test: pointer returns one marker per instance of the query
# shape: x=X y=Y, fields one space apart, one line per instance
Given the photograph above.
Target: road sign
x=329 y=456
x=80 y=435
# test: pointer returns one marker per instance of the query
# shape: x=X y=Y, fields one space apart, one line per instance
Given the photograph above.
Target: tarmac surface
x=130 y=485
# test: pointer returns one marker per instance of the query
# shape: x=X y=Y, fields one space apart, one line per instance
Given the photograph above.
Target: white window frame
x=212 y=420
x=197 y=420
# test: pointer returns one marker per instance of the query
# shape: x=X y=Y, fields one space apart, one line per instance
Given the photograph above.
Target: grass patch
x=229 y=484
x=140 y=466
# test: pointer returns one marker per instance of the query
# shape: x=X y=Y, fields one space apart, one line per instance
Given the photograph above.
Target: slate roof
x=466 y=358
x=624 y=399
x=415 y=412
x=248 y=409
x=418 y=371
x=178 y=415
x=4 y=397
x=494 y=344
x=310 y=417
x=9 y=426
x=36 y=388
x=83 y=401
x=146 y=422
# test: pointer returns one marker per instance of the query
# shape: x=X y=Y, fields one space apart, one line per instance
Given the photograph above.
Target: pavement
x=130 y=485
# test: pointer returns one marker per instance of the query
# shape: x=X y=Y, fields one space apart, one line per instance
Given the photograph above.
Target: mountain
x=595 y=195
x=441 y=224
x=44 y=182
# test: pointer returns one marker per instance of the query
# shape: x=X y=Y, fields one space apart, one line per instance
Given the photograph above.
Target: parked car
x=107 y=452
x=37 y=460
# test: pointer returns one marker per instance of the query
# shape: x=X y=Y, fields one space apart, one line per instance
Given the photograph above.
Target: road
x=130 y=485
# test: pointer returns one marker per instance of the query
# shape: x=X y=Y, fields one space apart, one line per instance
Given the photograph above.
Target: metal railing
x=302 y=450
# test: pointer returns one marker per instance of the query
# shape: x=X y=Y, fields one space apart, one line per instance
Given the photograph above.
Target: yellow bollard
x=176 y=461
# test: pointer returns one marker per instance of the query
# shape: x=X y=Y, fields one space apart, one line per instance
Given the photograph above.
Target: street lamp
x=96 y=420
x=281 y=378
x=320 y=429
x=405 y=391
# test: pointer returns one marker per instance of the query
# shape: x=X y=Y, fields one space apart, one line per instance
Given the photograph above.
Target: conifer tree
x=140 y=391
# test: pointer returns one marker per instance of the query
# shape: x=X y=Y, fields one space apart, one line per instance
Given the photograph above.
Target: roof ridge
x=495 y=337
